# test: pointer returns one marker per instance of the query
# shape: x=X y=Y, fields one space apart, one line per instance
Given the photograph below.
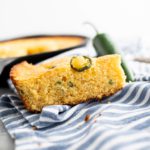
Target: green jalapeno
x=104 y=46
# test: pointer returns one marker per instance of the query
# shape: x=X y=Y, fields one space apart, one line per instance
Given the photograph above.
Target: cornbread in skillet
x=57 y=82
x=28 y=46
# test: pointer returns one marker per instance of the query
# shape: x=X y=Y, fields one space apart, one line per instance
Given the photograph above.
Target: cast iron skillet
x=7 y=63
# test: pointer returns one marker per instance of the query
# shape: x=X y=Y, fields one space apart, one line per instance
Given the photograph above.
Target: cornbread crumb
x=34 y=127
x=87 y=118
x=39 y=86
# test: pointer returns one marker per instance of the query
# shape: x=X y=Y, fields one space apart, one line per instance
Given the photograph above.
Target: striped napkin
x=118 y=122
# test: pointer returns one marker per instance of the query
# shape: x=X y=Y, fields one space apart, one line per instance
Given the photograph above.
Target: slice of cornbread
x=56 y=82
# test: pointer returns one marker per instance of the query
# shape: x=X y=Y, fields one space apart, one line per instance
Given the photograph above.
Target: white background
x=119 y=18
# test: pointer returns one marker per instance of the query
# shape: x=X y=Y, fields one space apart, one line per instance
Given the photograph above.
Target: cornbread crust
x=56 y=83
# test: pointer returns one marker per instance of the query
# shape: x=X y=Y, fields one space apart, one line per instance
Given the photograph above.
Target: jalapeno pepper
x=104 y=46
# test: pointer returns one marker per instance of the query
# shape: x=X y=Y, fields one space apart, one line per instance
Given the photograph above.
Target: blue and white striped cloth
x=119 y=122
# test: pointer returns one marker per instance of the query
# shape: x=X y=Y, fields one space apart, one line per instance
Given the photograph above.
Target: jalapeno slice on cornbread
x=80 y=63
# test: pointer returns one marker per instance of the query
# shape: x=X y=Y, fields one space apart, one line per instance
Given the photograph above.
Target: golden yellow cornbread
x=28 y=46
x=57 y=83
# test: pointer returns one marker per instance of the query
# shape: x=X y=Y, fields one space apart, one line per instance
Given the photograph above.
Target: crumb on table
x=34 y=127
x=87 y=118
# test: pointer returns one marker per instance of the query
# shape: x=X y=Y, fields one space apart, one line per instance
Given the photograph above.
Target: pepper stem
x=91 y=25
